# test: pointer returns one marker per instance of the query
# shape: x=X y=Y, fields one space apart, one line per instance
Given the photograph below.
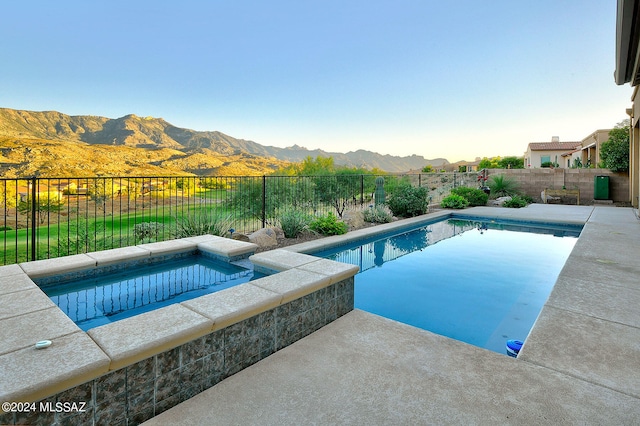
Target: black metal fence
x=50 y=217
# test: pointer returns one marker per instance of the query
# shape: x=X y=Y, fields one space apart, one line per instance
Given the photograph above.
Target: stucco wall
x=533 y=159
x=533 y=181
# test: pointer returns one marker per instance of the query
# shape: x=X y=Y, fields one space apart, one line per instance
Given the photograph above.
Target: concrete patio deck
x=579 y=365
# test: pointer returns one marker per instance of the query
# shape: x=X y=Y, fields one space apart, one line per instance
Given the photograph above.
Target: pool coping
x=77 y=357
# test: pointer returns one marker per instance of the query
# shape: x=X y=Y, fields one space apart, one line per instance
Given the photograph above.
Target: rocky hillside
x=55 y=144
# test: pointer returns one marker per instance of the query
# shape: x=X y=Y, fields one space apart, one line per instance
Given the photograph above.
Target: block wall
x=533 y=181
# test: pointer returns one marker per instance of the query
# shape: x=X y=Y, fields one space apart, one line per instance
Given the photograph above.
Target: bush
x=328 y=225
x=409 y=201
x=377 y=214
x=527 y=198
x=147 y=231
x=454 y=201
x=475 y=196
x=614 y=153
x=201 y=223
x=503 y=186
x=293 y=222
x=516 y=202
x=5 y=228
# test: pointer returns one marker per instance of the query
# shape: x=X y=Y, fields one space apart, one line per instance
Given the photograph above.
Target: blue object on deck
x=513 y=347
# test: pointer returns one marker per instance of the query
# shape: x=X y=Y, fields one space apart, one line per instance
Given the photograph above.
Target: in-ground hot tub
x=101 y=295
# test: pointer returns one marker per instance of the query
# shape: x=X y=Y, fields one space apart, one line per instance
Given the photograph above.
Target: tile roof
x=554 y=146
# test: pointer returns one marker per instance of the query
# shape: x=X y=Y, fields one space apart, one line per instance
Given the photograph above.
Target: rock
x=354 y=220
x=549 y=198
x=264 y=238
x=279 y=232
x=240 y=237
x=500 y=201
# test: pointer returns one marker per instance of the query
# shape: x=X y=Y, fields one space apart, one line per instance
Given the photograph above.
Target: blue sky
x=454 y=79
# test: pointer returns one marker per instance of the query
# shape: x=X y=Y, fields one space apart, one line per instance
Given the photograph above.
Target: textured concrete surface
x=579 y=365
x=16 y=282
x=46 y=267
x=30 y=374
x=234 y=304
x=336 y=270
x=45 y=324
x=136 y=338
x=280 y=260
x=108 y=257
x=170 y=246
x=228 y=247
x=23 y=302
x=366 y=370
x=293 y=283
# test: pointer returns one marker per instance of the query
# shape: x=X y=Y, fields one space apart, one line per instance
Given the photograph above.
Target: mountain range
x=52 y=144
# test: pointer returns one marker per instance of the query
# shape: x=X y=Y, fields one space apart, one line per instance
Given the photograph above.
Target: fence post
x=419 y=180
x=361 y=190
x=264 y=201
x=34 y=193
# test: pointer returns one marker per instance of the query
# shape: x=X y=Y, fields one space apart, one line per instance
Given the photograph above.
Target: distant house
x=539 y=153
x=42 y=192
x=589 y=151
x=590 y=148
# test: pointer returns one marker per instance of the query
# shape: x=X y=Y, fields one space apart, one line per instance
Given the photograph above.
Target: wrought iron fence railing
x=51 y=217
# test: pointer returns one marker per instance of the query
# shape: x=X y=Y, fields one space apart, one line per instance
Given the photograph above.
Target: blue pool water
x=481 y=282
x=134 y=289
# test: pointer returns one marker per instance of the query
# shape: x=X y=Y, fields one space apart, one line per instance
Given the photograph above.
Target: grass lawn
x=79 y=235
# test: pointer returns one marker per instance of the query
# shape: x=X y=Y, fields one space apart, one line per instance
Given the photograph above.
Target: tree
x=511 y=163
x=46 y=202
x=428 y=169
x=100 y=190
x=614 y=153
x=489 y=163
x=8 y=193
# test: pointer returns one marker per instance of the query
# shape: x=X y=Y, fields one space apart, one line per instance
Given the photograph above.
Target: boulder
x=279 y=232
x=500 y=201
x=354 y=220
x=264 y=238
x=240 y=237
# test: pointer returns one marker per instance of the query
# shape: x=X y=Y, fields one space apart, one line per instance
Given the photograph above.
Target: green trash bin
x=601 y=188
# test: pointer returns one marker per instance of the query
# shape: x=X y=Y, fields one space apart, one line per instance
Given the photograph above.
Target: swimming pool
x=102 y=297
x=479 y=281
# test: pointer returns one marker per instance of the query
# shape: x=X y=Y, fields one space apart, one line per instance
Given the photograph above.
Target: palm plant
x=503 y=186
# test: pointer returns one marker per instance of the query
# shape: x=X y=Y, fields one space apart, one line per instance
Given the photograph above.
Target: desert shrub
x=5 y=228
x=527 y=198
x=454 y=201
x=83 y=236
x=293 y=222
x=503 y=186
x=201 y=223
x=328 y=225
x=516 y=201
x=475 y=196
x=409 y=201
x=147 y=231
x=377 y=214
